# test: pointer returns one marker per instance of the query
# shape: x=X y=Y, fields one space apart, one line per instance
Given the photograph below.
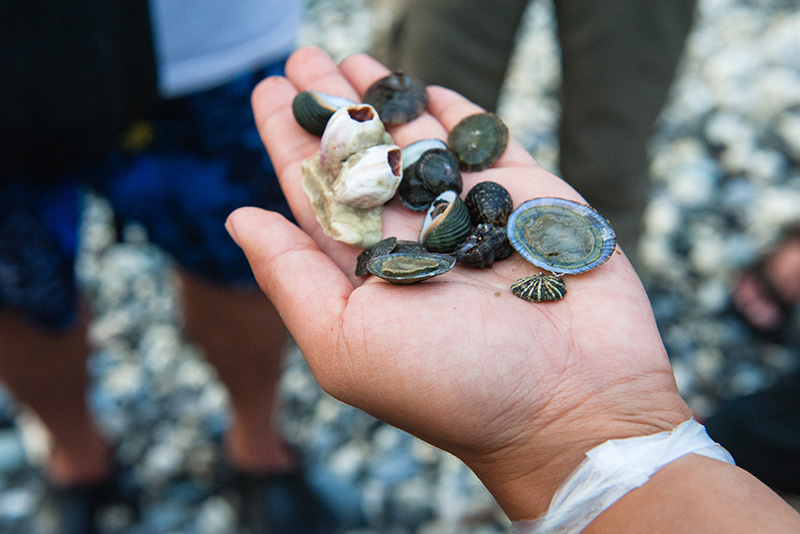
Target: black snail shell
x=489 y=202
x=399 y=98
x=487 y=244
x=478 y=141
x=434 y=172
x=409 y=267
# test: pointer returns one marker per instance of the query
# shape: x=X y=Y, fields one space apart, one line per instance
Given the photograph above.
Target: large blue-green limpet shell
x=560 y=235
x=406 y=268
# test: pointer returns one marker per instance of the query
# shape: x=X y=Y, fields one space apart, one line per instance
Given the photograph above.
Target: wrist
x=524 y=475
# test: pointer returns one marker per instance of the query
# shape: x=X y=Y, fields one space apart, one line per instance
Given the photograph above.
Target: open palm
x=458 y=360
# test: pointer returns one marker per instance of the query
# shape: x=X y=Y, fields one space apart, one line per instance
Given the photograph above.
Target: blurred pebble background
x=726 y=168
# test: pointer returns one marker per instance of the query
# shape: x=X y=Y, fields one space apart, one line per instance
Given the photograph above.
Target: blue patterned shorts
x=179 y=176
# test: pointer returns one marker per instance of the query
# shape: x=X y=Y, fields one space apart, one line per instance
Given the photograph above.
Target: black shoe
x=280 y=503
x=762 y=433
x=78 y=509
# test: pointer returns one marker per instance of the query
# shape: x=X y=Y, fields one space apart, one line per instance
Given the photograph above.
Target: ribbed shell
x=539 y=288
x=447 y=223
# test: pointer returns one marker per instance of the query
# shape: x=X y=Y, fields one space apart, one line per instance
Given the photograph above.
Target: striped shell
x=312 y=109
x=540 y=288
x=561 y=236
x=447 y=223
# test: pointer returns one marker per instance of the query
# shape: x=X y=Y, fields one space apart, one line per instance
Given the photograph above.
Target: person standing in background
x=618 y=60
x=147 y=103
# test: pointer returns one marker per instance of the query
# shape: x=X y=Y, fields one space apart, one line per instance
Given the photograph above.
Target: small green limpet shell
x=478 y=141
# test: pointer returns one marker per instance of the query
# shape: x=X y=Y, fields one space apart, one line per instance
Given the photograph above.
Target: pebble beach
x=725 y=183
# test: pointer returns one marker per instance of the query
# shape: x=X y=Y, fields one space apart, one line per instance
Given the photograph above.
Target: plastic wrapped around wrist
x=614 y=468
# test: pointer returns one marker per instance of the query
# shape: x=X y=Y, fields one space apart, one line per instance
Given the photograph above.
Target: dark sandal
x=757 y=273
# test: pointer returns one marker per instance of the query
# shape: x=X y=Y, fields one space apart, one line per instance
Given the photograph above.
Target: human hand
x=518 y=391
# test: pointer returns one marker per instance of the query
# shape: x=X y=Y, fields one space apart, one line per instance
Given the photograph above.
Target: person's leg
x=243 y=337
x=43 y=347
x=618 y=61
x=463 y=45
x=46 y=371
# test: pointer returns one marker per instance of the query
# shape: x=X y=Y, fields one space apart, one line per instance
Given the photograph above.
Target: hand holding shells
x=517 y=391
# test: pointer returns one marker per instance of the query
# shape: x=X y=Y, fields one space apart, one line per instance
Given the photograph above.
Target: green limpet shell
x=478 y=141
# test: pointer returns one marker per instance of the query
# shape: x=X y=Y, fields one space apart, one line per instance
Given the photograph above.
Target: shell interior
x=409 y=267
x=561 y=236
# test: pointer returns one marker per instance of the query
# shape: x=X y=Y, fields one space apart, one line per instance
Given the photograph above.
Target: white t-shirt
x=203 y=43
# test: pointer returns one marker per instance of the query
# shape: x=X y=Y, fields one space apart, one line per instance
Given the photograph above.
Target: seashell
x=487 y=244
x=350 y=129
x=434 y=172
x=446 y=224
x=560 y=236
x=384 y=246
x=409 y=267
x=412 y=152
x=540 y=288
x=312 y=109
x=478 y=141
x=370 y=177
x=489 y=202
x=387 y=246
x=398 y=97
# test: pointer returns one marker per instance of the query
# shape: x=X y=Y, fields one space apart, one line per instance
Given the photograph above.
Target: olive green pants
x=618 y=60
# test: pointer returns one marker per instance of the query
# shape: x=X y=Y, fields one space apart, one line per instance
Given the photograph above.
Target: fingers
x=300 y=280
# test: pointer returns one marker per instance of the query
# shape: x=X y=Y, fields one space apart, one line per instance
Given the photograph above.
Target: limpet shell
x=561 y=236
x=398 y=97
x=540 y=288
x=478 y=141
x=406 y=268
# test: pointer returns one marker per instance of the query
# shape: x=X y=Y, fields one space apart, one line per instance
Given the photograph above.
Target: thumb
x=306 y=287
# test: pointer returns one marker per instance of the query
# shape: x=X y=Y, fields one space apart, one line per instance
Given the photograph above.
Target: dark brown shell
x=398 y=97
x=489 y=202
x=479 y=141
x=483 y=247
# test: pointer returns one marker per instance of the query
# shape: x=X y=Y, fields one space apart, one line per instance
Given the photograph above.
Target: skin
x=518 y=391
